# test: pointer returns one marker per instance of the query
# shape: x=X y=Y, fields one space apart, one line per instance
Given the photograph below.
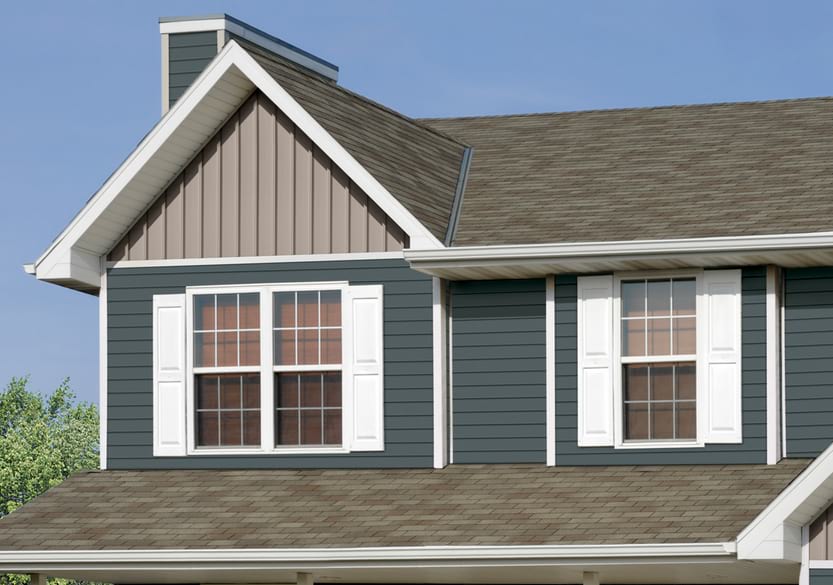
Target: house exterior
x=340 y=345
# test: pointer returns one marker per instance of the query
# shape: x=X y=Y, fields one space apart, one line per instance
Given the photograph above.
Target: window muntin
x=226 y=359
x=307 y=333
x=658 y=359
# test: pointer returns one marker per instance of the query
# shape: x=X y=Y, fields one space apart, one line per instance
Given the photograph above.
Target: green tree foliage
x=43 y=439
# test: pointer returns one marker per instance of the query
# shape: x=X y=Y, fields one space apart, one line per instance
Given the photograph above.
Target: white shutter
x=365 y=361
x=720 y=342
x=169 y=375
x=595 y=361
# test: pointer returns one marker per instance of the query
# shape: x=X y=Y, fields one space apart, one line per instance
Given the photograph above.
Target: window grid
x=221 y=441
x=296 y=328
x=674 y=402
x=322 y=409
x=216 y=331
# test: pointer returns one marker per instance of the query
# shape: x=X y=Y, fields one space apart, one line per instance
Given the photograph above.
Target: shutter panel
x=366 y=368
x=595 y=361
x=720 y=335
x=169 y=375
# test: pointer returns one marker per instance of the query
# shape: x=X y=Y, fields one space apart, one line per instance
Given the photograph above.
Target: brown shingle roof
x=459 y=505
x=418 y=164
x=652 y=173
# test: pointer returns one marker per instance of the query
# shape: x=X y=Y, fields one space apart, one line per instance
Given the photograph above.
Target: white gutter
x=358 y=557
x=501 y=254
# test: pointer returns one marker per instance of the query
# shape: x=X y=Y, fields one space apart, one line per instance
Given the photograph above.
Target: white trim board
x=102 y=368
x=72 y=259
x=773 y=364
x=440 y=377
x=236 y=260
x=550 y=369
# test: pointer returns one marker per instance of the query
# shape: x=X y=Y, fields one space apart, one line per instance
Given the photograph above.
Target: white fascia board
x=493 y=255
x=55 y=263
x=775 y=533
x=367 y=557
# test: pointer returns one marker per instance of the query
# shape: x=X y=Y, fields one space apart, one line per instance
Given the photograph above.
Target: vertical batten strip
x=228 y=185
x=303 y=193
x=773 y=365
x=248 y=178
x=340 y=211
x=358 y=219
x=266 y=178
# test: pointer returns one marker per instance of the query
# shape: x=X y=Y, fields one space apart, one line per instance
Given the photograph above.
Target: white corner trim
x=773 y=365
x=285 y=259
x=166 y=90
x=550 y=369
x=367 y=557
x=102 y=368
x=440 y=344
x=29 y=268
x=769 y=535
x=64 y=254
x=804 y=572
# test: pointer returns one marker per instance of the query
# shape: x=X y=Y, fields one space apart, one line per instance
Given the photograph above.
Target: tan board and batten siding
x=821 y=537
x=260 y=187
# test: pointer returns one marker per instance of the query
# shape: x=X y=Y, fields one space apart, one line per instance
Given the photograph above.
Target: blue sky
x=81 y=88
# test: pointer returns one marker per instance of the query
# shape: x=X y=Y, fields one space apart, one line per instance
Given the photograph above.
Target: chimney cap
x=234 y=26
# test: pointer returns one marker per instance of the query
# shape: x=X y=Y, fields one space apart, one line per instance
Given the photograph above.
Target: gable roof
x=74 y=258
x=527 y=504
x=735 y=169
x=417 y=163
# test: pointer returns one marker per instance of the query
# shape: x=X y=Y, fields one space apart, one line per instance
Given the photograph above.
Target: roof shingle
x=458 y=505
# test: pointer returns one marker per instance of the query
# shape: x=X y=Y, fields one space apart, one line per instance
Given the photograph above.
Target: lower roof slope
x=652 y=173
x=458 y=505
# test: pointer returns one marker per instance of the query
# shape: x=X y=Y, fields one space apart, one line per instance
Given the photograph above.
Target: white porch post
x=590 y=578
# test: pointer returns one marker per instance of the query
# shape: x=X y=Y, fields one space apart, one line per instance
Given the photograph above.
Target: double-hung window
x=279 y=368
x=659 y=359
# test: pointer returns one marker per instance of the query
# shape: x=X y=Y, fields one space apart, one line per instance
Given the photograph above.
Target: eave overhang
x=74 y=257
x=537 y=260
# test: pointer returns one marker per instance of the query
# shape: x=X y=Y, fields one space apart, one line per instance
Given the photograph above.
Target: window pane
x=227 y=349
x=659 y=297
x=685 y=297
x=662 y=420
x=633 y=337
x=203 y=312
x=311 y=427
x=633 y=299
x=308 y=309
x=287 y=427
x=310 y=390
x=332 y=427
x=308 y=346
x=685 y=336
x=686 y=420
x=251 y=391
x=207 y=392
x=249 y=348
x=251 y=428
x=659 y=336
x=636 y=421
x=284 y=309
x=330 y=308
x=635 y=382
x=331 y=346
x=227 y=311
x=332 y=390
x=285 y=347
x=249 y=311
x=203 y=349
x=662 y=382
x=208 y=429
x=230 y=392
x=230 y=429
x=686 y=386
x=287 y=390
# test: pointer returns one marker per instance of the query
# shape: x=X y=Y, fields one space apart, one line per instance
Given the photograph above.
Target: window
x=307 y=364
x=658 y=358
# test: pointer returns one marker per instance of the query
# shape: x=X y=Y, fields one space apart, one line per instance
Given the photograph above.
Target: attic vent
x=190 y=43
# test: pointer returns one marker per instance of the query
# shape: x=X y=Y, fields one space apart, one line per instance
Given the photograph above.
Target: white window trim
x=267 y=371
x=701 y=391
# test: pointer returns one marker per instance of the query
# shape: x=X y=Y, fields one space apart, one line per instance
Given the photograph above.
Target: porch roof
x=461 y=505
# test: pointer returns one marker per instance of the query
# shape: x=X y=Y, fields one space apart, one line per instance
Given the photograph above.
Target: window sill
x=659 y=445
x=276 y=451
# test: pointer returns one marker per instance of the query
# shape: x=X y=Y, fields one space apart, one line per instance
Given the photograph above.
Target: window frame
x=267 y=369
x=619 y=441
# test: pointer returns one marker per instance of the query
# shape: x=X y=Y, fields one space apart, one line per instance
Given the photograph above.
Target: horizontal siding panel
x=408 y=379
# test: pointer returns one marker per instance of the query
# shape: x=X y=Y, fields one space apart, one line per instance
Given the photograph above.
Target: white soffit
x=73 y=259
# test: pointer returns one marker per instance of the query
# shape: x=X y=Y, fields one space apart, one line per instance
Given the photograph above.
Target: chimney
x=189 y=44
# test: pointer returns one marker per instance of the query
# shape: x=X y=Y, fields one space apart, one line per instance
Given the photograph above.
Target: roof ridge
x=413 y=121
x=630 y=109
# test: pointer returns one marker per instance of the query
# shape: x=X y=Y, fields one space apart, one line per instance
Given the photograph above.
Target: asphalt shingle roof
x=458 y=505
x=730 y=169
